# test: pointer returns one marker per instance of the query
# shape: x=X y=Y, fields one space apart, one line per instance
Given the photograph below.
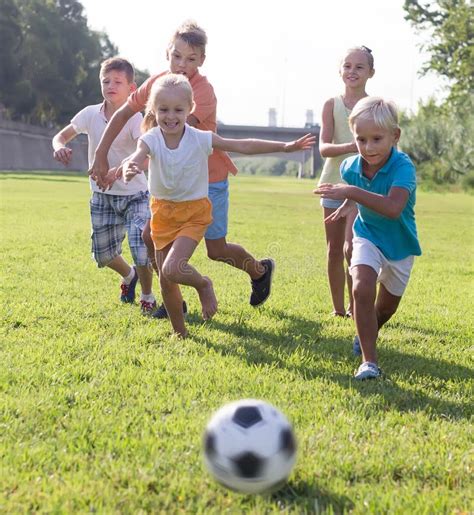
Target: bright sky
x=274 y=53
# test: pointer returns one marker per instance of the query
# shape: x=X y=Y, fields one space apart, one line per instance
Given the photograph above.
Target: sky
x=264 y=54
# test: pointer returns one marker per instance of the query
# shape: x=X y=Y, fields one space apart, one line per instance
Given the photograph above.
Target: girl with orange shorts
x=178 y=183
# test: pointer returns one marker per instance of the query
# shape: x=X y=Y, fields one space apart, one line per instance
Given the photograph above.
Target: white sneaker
x=367 y=370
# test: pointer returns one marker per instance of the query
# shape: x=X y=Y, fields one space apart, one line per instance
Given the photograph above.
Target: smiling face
x=115 y=87
x=355 y=69
x=185 y=59
x=374 y=143
x=172 y=107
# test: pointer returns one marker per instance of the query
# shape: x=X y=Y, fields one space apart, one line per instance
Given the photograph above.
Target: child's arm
x=100 y=166
x=260 y=146
x=62 y=153
x=390 y=205
x=326 y=147
x=341 y=212
x=135 y=163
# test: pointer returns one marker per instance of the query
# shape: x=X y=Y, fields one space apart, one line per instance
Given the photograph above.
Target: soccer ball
x=249 y=446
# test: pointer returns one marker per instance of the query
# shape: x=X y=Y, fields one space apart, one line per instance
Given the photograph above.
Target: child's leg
x=364 y=287
x=234 y=255
x=385 y=306
x=146 y=236
x=335 y=235
x=177 y=269
x=218 y=249
x=119 y=265
x=171 y=294
x=348 y=236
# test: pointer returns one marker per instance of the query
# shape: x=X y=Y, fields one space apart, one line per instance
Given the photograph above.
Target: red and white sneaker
x=147 y=308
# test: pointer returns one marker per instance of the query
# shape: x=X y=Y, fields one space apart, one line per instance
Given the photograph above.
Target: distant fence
x=28 y=147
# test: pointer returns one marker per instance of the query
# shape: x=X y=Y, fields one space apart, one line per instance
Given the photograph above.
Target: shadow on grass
x=311 y=499
x=303 y=336
x=42 y=175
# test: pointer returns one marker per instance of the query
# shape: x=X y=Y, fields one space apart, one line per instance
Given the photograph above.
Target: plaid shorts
x=113 y=216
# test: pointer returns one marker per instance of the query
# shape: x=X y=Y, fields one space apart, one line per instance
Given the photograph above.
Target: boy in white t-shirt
x=124 y=208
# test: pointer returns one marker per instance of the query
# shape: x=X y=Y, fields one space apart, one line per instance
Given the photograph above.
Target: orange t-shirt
x=205 y=107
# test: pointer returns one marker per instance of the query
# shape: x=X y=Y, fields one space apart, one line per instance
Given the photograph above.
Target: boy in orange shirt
x=186 y=53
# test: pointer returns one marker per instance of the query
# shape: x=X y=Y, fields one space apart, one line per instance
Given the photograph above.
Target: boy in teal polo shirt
x=382 y=182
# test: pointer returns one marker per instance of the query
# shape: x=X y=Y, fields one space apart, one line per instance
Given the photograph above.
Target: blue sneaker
x=128 y=290
x=357 y=351
x=161 y=312
x=367 y=370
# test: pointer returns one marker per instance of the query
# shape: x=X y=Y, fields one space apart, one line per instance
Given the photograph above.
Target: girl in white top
x=178 y=182
x=336 y=142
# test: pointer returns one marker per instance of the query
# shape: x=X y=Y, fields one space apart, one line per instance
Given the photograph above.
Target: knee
x=385 y=312
x=214 y=252
x=362 y=292
x=171 y=272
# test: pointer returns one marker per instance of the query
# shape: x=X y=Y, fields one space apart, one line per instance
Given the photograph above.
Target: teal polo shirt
x=395 y=238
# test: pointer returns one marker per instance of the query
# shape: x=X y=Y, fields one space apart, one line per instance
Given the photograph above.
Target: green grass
x=101 y=410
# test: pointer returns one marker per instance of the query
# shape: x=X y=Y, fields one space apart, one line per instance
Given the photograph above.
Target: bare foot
x=208 y=299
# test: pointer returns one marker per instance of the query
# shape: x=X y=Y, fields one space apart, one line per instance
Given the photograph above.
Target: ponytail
x=149 y=121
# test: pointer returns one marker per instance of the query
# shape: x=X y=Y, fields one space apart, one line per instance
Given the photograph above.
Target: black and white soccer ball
x=249 y=446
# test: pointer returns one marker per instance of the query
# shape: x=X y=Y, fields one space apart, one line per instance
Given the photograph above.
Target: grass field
x=101 y=410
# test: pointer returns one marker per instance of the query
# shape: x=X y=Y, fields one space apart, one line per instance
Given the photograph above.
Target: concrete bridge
x=28 y=147
x=278 y=134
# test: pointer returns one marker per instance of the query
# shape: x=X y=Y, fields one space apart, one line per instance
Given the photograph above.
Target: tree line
x=439 y=136
x=49 y=60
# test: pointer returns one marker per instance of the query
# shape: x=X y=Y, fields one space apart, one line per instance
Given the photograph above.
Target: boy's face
x=115 y=87
x=374 y=143
x=172 y=107
x=355 y=69
x=185 y=59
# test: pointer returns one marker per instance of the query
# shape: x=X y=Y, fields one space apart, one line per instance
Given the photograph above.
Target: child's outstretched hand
x=63 y=155
x=304 y=143
x=130 y=169
x=332 y=191
x=341 y=212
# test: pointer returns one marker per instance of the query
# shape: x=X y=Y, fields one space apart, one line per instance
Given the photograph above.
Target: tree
x=451 y=46
x=50 y=59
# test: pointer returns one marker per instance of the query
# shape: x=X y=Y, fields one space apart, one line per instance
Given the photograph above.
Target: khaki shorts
x=393 y=275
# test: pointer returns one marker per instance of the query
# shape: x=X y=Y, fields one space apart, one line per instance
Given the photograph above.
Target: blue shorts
x=330 y=203
x=219 y=197
x=114 y=216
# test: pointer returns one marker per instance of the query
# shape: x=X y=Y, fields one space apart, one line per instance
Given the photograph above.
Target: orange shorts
x=169 y=220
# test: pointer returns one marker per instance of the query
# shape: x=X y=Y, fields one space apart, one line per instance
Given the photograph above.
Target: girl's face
x=355 y=69
x=172 y=108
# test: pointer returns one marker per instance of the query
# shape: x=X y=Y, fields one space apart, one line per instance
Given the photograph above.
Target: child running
x=178 y=178
x=124 y=208
x=335 y=144
x=186 y=54
x=382 y=181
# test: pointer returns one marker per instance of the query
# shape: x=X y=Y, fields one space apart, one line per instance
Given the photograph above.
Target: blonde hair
x=192 y=34
x=382 y=112
x=366 y=50
x=170 y=80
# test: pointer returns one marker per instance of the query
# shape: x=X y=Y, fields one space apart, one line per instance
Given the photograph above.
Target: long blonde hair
x=170 y=80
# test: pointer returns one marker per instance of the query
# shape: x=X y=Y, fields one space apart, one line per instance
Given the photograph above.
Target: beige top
x=342 y=134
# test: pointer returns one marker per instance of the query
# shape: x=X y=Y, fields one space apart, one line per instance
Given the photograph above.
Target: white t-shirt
x=92 y=121
x=181 y=173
